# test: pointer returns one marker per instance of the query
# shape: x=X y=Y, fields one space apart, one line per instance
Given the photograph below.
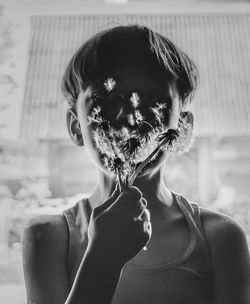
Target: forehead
x=128 y=58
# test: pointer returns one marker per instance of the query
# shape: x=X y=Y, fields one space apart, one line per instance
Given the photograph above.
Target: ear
x=74 y=127
x=188 y=116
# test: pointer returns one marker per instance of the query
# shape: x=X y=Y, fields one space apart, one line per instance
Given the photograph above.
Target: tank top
x=186 y=279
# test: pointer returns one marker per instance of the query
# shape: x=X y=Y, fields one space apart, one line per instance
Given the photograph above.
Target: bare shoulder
x=44 y=253
x=230 y=258
x=220 y=227
x=47 y=229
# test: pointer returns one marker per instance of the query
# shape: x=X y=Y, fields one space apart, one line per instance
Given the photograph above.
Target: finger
x=144 y=226
x=129 y=202
x=147 y=226
x=140 y=208
x=115 y=194
x=143 y=216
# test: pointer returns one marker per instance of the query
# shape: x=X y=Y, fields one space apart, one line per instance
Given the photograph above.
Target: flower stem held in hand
x=168 y=137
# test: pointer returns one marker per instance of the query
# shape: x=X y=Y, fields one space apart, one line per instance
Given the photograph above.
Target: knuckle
x=146 y=232
x=147 y=227
x=144 y=202
x=147 y=214
x=142 y=205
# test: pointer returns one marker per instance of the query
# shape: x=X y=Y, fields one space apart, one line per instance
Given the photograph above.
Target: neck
x=151 y=185
x=104 y=188
x=154 y=189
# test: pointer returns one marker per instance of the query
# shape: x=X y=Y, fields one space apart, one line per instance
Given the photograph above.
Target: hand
x=120 y=227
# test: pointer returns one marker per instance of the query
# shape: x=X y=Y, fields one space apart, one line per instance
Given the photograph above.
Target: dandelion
x=127 y=151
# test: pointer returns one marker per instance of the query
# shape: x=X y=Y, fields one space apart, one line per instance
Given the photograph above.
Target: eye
x=97 y=97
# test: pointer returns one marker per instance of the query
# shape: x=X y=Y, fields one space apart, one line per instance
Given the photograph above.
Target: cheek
x=174 y=115
x=90 y=147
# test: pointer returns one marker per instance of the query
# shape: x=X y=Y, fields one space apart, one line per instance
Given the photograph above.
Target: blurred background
x=41 y=172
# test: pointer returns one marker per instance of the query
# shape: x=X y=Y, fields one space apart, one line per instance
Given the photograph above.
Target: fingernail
x=147 y=214
x=144 y=202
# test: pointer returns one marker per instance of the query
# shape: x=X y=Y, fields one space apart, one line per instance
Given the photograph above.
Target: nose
x=123 y=118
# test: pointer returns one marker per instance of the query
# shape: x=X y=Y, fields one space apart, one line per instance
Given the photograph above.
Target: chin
x=152 y=167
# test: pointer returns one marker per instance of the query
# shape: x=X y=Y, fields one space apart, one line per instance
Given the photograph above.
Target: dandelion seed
x=156 y=111
x=158 y=115
x=138 y=116
x=135 y=100
x=109 y=84
x=96 y=112
x=161 y=106
x=125 y=132
x=131 y=119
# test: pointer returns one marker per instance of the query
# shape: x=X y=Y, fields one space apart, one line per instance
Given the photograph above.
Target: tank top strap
x=197 y=218
x=189 y=212
x=88 y=209
x=186 y=210
x=192 y=212
x=197 y=215
x=77 y=218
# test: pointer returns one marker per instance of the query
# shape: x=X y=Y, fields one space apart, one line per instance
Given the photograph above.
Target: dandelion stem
x=119 y=181
x=144 y=163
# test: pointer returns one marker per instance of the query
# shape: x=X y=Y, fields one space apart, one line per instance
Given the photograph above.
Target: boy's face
x=116 y=106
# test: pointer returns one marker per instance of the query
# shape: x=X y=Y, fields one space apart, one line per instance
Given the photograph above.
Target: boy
x=92 y=253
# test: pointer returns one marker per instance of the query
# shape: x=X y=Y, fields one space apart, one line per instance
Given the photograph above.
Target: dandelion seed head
x=131 y=145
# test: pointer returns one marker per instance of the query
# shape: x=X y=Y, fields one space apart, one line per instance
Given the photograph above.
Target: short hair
x=88 y=64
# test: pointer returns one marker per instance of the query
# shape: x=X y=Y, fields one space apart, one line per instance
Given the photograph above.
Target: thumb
x=108 y=202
